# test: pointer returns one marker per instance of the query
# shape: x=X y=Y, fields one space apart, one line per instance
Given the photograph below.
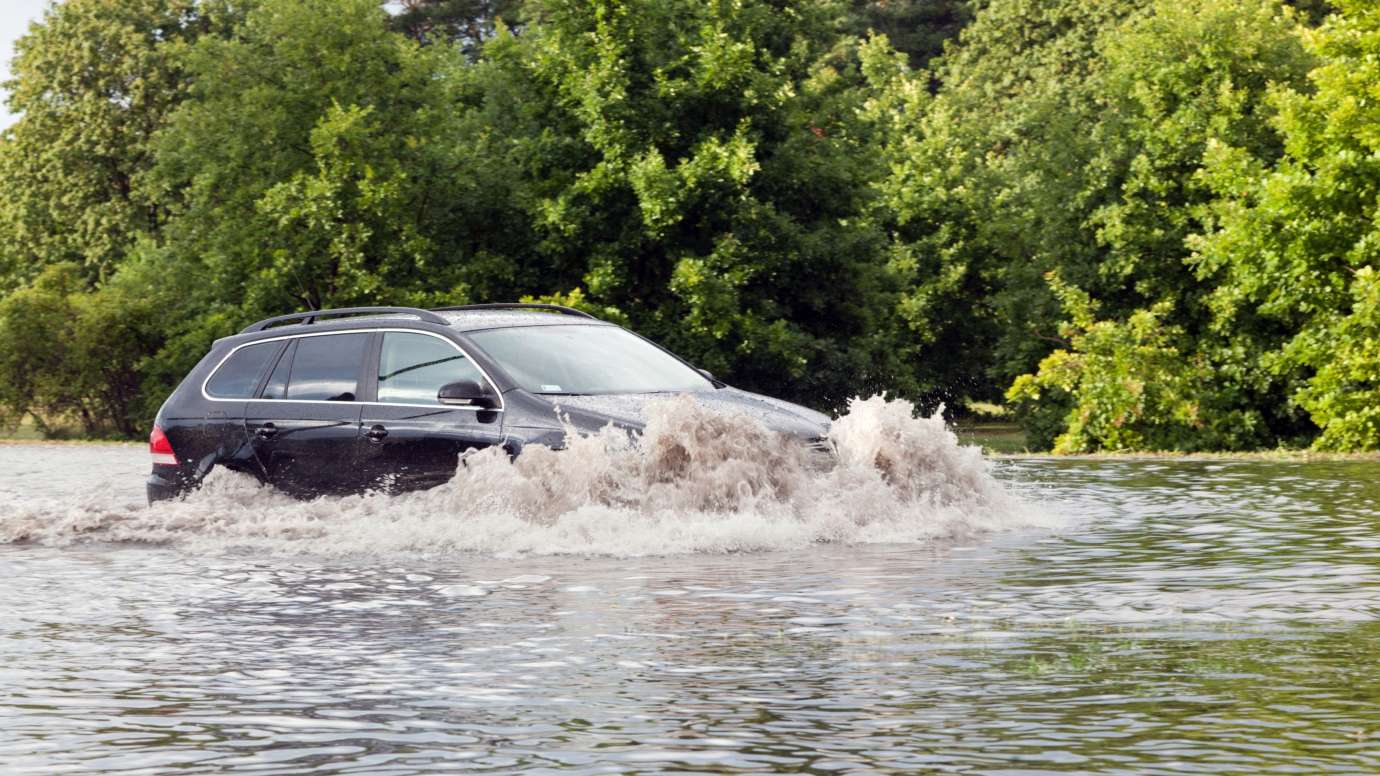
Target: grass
x=987 y=426
x=1281 y=455
x=24 y=432
x=27 y=433
x=993 y=437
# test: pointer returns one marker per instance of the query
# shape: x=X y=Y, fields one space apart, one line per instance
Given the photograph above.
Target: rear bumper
x=166 y=484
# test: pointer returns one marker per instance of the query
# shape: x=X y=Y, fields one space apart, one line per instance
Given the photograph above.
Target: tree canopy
x=1141 y=225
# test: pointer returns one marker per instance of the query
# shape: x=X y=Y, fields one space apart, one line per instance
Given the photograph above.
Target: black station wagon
x=390 y=398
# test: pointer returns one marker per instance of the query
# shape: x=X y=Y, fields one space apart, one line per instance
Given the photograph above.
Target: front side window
x=580 y=359
x=239 y=375
x=413 y=367
x=326 y=368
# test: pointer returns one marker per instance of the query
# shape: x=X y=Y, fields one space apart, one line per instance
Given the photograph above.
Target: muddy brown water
x=1150 y=617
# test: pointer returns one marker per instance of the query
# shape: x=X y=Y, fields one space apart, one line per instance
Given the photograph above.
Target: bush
x=1128 y=385
x=69 y=354
x=1344 y=396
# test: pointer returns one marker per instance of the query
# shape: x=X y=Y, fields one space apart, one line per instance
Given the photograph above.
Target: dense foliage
x=1146 y=225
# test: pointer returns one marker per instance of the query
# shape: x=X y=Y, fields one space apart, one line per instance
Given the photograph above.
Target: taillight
x=161 y=449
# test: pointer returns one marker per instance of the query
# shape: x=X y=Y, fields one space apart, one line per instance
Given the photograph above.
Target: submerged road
x=1151 y=617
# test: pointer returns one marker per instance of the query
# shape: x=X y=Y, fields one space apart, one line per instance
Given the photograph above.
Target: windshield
x=578 y=359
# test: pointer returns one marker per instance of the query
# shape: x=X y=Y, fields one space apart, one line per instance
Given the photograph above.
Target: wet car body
x=346 y=401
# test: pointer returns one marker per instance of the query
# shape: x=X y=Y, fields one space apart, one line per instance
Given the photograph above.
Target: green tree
x=701 y=169
x=87 y=367
x=943 y=312
x=314 y=166
x=1343 y=397
x=1313 y=11
x=805 y=197
x=92 y=82
x=986 y=183
x=917 y=28
x=467 y=23
x=38 y=370
x=1172 y=82
x=1295 y=242
x=1189 y=74
x=1132 y=384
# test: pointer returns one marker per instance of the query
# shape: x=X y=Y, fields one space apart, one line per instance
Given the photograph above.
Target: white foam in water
x=696 y=481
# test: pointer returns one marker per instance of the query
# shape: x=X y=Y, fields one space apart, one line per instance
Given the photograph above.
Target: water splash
x=695 y=481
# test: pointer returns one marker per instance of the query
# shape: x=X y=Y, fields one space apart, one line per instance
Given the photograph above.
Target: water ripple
x=1188 y=618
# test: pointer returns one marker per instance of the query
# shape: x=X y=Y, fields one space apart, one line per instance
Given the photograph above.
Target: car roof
x=475 y=320
x=459 y=320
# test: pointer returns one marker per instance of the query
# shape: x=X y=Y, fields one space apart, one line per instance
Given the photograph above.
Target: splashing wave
x=696 y=481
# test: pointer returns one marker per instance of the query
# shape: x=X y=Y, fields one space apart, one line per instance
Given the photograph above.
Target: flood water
x=1157 y=617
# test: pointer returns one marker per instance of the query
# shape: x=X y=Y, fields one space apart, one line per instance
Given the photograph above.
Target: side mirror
x=707 y=375
x=466 y=393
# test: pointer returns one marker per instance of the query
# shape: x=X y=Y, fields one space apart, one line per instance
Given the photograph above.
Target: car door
x=228 y=391
x=408 y=440
x=304 y=427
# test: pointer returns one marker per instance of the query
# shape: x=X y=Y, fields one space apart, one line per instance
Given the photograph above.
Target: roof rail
x=309 y=317
x=553 y=308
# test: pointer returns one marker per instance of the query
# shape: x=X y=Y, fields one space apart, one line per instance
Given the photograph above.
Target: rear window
x=239 y=375
x=326 y=368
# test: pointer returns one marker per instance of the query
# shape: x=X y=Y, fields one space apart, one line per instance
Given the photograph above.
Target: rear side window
x=326 y=368
x=239 y=375
x=276 y=387
x=413 y=367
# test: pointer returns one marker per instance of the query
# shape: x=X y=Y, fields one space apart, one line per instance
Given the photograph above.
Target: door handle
x=266 y=431
x=376 y=433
